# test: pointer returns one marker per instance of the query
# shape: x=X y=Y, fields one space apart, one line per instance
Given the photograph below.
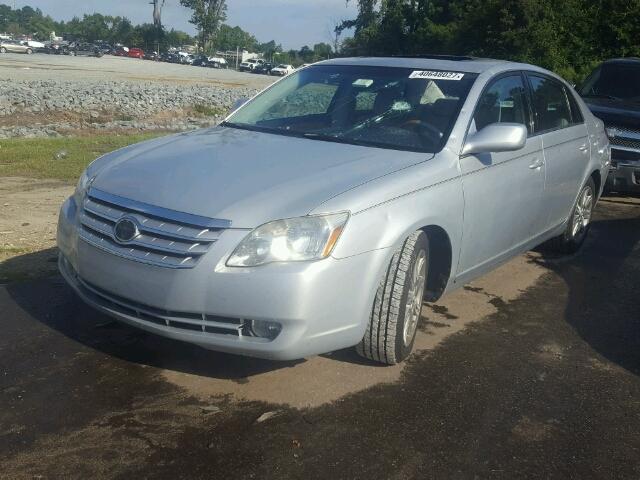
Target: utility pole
x=237 y=56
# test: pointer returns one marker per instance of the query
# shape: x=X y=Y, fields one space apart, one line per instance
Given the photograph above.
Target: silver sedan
x=15 y=47
x=323 y=213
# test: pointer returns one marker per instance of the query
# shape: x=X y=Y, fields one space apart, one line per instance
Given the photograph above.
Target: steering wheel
x=425 y=128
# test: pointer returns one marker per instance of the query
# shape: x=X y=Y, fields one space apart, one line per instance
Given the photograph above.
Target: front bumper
x=624 y=175
x=322 y=306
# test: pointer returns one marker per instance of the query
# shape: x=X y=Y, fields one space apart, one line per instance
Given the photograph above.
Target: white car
x=250 y=64
x=217 y=62
x=283 y=70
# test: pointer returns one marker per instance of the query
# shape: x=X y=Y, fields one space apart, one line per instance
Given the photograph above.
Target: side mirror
x=238 y=103
x=497 y=137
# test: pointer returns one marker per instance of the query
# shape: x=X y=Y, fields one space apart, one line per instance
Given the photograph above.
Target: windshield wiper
x=327 y=138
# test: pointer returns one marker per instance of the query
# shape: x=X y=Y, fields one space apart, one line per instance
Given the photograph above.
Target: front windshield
x=384 y=107
x=616 y=81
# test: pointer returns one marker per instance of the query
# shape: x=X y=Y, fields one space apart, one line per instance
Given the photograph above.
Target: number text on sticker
x=433 y=75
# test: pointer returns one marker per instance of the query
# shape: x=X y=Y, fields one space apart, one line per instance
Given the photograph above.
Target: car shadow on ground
x=603 y=304
x=53 y=303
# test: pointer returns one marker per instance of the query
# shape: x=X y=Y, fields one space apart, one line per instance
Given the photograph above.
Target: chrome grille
x=624 y=137
x=625 y=143
x=165 y=238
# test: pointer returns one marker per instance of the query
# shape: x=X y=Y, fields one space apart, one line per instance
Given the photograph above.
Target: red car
x=136 y=53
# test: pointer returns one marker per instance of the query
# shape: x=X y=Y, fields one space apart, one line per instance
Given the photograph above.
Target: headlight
x=81 y=188
x=292 y=240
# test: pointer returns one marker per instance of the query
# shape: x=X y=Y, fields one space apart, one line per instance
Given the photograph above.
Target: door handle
x=536 y=164
x=583 y=148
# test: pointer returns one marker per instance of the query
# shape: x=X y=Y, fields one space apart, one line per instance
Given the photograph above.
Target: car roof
x=434 y=62
x=631 y=60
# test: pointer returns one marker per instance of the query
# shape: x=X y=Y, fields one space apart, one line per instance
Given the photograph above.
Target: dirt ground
x=530 y=372
x=28 y=222
x=27 y=235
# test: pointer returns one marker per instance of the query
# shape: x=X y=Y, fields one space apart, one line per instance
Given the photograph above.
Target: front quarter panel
x=387 y=210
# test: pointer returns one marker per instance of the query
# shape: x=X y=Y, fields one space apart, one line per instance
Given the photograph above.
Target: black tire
x=29 y=51
x=3 y=50
x=384 y=340
x=571 y=239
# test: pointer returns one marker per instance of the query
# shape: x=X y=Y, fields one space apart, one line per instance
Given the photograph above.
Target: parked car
x=283 y=70
x=13 y=46
x=85 y=49
x=170 y=57
x=264 y=69
x=121 y=52
x=217 y=62
x=104 y=47
x=151 y=56
x=35 y=45
x=358 y=189
x=200 y=61
x=612 y=92
x=186 y=58
x=250 y=64
x=135 y=53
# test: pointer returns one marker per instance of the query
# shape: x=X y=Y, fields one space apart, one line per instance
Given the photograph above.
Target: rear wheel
x=397 y=306
x=579 y=221
x=3 y=50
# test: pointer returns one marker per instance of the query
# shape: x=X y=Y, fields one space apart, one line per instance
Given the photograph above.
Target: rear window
x=614 y=80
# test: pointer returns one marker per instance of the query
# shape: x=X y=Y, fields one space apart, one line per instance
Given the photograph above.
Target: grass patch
x=59 y=158
x=209 y=111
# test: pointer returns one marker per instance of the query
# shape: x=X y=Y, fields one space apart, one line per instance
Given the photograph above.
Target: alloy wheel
x=413 y=306
x=582 y=214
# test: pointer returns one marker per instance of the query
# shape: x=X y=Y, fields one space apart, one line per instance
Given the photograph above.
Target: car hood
x=247 y=177
x=615 y=112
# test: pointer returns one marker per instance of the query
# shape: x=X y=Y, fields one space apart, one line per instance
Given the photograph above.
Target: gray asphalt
x=546 y=387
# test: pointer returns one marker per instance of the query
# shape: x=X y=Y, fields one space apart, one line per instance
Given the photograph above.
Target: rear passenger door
x=502 y=191
x=558 y=120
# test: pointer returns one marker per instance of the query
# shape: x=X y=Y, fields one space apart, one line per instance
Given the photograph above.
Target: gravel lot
x=51 y=95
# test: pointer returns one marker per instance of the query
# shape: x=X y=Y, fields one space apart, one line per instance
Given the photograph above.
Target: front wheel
x=29 y=51
x=3 y=50
x=397 y=307
x=579 y=221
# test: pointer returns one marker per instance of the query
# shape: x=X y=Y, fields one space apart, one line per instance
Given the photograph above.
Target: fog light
x=265 y=329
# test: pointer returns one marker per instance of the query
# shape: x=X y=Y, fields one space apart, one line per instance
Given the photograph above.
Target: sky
x=293 y=23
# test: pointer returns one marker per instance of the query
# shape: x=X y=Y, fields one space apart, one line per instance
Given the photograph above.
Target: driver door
x=502 y=191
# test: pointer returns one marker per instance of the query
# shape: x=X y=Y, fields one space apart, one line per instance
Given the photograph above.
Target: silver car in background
x=323 y=213
x=14 y=46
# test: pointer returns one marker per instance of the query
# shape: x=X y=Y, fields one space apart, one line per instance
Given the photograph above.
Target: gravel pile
x=109 y=104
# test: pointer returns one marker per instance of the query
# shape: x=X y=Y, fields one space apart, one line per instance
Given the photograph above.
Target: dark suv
x=612 y=92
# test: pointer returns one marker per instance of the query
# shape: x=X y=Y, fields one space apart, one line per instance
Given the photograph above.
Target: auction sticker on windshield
x=433 y=75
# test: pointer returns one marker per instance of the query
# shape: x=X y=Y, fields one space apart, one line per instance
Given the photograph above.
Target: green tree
x=207 y=16
x=568 y=36
x=321 y=51
x=230 y=38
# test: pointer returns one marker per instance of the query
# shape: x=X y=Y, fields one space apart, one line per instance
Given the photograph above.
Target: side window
x=504 y=101
x=576 y=114
x=549 y=104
